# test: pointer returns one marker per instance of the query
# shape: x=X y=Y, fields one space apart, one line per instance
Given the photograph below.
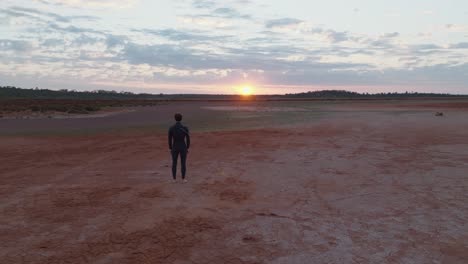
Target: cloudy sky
x=205 y=46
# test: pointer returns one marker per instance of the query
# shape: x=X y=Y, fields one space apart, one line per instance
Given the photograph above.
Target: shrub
x=77 y=109
x=90 y=108
x=35 y=108
x=58 y=108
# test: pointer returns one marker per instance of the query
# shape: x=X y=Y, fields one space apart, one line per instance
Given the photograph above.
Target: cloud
x=461 y=45
x=84 y=39
x=229 y=13
x=243 y=2
x=15 y=45
x=250 y=58
x=159 y=55
x=433 y=74
x=426 y=49
x=30 y=12
x=391 y=35
x=99 y=4
x=296 y=26
x=380 y=43
x=184 y=35
x=203 y=4
x=456 y=28
x=282 y=22
x=206 y=21
x=335 y=36
x=37 y=20
x=52 y=42
x=72 y=29
x=428 y=46
x=115 y=40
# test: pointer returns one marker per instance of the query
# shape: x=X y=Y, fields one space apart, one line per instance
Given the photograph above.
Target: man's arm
x=188 y=138
x=169 y=137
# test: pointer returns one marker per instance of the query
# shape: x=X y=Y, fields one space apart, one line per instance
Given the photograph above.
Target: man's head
x=178 y=117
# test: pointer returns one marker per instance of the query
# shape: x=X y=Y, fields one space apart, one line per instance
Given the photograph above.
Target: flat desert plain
x=271 y=182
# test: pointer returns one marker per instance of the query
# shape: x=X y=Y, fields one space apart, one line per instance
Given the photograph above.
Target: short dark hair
x=178 y=117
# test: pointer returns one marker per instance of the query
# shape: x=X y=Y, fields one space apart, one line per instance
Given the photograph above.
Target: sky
x=217 y=47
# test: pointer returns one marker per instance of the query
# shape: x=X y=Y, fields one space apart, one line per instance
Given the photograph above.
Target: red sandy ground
x=361 y=187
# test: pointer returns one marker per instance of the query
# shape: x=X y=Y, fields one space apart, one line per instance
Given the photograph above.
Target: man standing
x=179 y=143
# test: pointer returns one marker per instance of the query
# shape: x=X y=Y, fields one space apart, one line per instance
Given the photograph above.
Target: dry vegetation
x=70 y=106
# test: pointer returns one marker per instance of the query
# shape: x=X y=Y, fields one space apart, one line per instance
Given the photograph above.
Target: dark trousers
x=183 y=157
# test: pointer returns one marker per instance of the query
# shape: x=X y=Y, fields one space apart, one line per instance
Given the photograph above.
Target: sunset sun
x=246 y=90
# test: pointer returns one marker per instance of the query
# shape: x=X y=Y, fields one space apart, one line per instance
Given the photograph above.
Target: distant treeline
x=11 y=92
x=348 y=94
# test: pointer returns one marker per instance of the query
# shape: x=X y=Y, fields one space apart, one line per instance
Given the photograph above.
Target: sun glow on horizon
x=246 y=90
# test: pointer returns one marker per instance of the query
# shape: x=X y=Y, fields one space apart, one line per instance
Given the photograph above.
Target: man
x=179 y=143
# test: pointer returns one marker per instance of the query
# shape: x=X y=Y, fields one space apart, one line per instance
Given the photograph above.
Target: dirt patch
x=162 y=243
x=153 y=192
x=67 y=115
x=251 y=238
x=61 y=205
x=80 y=196
x=437 y=105
x=454 y=252
x=254 y=108
x=231 y=189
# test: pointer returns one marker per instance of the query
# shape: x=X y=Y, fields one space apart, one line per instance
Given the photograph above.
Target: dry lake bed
x=269 y=182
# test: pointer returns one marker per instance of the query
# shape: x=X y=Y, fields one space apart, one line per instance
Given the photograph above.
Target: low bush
x=57 y=108
x=77 y=109
x=35 y=108
x=90 y=108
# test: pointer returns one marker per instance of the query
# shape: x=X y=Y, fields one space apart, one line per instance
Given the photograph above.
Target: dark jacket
x=178 y=137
